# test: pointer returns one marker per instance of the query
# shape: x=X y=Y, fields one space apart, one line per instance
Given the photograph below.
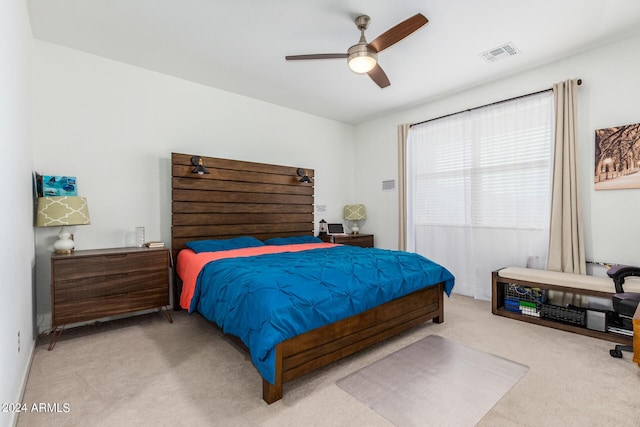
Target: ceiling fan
x=362 y=57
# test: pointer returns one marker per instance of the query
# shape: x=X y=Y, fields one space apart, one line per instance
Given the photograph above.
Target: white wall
x=114 y=126
x=16 y=252
x=608 y=97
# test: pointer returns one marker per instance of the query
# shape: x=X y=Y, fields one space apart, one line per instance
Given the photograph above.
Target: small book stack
x=154 y=244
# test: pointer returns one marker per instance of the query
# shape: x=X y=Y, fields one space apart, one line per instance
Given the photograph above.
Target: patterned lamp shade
x=354 y=212
x=62 y=210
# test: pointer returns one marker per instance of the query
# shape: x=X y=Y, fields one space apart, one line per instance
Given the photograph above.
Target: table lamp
x=354 y=213
x=62 y=211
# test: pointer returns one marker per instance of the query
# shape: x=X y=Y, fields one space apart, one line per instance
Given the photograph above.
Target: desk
x=636 y=336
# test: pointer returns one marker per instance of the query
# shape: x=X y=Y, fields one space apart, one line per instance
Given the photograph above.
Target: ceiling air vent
x=504 y=51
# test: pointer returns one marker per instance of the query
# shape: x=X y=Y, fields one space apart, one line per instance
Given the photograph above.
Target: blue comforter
x=267 y=299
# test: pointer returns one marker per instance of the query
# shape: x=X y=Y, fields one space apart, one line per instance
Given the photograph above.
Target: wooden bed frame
x=240 y=198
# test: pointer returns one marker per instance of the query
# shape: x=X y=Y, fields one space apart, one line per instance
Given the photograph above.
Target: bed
x=239 y=201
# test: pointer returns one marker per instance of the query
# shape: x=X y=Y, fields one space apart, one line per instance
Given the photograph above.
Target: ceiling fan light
x=361 y=64
x=361 y=60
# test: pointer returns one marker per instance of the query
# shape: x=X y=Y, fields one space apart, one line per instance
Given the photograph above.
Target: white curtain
x=478 y=190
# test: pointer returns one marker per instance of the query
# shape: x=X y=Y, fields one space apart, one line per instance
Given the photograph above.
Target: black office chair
x=625 y=304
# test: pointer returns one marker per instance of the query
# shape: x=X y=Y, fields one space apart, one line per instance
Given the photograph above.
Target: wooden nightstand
x=362 y=240
x=92 y=284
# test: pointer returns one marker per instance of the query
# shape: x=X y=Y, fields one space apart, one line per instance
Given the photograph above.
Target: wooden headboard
x=236 y=199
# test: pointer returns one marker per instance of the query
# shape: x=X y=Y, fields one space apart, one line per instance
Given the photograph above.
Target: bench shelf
x=498 y=308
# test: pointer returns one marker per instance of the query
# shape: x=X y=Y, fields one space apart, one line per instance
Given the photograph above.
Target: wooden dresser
x=91 y=284
x=362 y=240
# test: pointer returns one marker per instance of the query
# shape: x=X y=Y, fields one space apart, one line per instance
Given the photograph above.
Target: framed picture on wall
x=617 y=158
x=59 y=186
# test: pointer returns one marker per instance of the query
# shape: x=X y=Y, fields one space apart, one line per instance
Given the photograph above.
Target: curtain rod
x=487 y=105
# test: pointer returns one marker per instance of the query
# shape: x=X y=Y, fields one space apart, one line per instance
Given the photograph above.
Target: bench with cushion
x=578 y=285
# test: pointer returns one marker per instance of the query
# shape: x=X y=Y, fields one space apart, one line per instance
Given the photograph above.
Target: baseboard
x=23 y=386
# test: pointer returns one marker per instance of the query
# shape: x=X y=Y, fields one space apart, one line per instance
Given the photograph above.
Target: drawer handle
x=117 y=256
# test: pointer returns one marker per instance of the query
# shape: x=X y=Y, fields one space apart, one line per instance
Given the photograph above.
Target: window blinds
x=488 y=167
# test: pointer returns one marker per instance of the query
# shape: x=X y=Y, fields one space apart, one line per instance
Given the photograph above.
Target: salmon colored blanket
x=190 y=263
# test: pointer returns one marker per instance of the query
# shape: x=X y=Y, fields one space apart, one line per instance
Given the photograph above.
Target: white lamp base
x=64 y=244
x=355 y=229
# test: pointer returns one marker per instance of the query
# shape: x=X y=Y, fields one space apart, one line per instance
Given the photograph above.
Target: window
x=486 y=169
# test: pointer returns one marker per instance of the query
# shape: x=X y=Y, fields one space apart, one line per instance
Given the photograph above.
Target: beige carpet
x=147 y=372
x=434 y=381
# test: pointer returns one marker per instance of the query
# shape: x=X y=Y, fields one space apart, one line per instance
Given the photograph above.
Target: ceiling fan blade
x=316 y=56
x=379 y=76
x=399 y=32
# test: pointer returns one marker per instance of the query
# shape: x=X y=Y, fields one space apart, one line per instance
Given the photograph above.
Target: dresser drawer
x=103 y=286
x=94 y=308
x=78 y=267
x=362 y=240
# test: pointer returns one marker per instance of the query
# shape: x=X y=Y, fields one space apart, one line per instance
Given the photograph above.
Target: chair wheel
x=615 y=353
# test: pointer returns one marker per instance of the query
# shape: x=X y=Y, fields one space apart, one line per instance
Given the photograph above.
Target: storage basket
x=569 y=314
x=514 y=295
